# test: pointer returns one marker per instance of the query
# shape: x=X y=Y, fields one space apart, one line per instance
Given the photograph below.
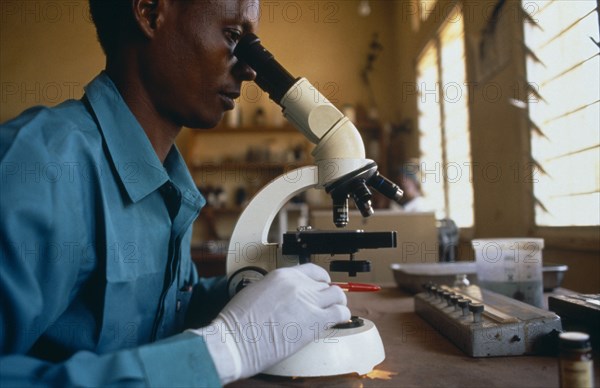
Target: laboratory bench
x=419 y=356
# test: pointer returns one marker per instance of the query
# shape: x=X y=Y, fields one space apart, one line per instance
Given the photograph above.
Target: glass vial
x=461 y=281
x=576 y=367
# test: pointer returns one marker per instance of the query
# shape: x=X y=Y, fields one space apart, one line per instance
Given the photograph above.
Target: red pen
x=357 y=287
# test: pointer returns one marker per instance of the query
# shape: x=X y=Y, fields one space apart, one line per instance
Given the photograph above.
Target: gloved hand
x=273 y=318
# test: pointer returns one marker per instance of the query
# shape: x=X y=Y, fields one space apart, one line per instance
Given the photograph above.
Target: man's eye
x=233 y=35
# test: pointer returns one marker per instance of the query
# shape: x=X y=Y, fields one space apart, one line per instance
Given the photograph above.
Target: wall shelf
x=280 y=166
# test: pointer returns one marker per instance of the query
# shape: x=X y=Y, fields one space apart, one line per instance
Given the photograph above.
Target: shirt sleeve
x=181 y=360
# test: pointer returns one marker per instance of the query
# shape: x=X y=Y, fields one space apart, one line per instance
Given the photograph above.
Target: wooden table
x=418 y=356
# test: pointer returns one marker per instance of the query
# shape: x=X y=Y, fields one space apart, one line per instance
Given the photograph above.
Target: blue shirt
x=95 y=231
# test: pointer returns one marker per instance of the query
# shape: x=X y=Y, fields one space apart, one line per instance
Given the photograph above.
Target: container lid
x=574 y=340
x=508 y=242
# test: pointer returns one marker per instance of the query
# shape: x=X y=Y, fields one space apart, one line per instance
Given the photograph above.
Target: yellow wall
x=48 y=53
x=328 y=44
x=49 y=50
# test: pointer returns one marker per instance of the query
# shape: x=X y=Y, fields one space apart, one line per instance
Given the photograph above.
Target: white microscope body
x=339 y=151
x=339 y=156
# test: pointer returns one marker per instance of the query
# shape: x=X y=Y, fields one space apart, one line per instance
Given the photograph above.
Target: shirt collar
x=177 y=170
x=134 y=158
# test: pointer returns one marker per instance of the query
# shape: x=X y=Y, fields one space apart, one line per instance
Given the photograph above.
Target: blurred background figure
x=408 y=178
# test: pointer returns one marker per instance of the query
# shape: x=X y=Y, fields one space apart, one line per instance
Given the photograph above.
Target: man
x=97 y=205
x=412 y=199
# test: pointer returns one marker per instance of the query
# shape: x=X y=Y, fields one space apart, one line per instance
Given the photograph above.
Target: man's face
x=192 y=75
x=410 y=188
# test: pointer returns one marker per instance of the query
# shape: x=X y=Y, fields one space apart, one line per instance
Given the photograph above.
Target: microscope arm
x=248 y=245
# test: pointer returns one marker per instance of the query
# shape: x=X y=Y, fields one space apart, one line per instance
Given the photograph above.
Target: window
x=445 y=166
x=561 y=39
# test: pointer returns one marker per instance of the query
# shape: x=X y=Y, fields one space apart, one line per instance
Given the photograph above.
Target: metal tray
x=411 y=277
x=553 y=275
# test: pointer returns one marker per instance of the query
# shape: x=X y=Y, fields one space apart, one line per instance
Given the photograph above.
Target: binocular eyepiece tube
x=270 y=75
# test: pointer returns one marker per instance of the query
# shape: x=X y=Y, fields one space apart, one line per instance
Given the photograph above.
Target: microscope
x=342 y=170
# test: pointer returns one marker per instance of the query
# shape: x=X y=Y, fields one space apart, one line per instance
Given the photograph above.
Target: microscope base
x=339 y=351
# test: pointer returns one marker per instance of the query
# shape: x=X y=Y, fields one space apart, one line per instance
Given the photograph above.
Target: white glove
x=273 y=318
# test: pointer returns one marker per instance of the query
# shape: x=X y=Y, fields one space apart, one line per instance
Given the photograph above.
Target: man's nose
x=243 y=72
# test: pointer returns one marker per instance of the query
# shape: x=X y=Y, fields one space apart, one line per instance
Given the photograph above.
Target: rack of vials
x=486 y=324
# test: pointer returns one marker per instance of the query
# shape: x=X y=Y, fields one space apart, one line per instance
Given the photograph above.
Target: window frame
x=435 y=41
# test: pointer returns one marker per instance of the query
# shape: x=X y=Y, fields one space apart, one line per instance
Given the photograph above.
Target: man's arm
x=181 y=360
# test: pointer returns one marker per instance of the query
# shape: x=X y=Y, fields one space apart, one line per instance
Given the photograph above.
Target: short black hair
x=112 y=18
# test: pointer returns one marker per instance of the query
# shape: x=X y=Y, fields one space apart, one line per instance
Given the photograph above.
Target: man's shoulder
x=66 y=129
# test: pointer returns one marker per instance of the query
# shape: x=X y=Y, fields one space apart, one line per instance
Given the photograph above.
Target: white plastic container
x=512 y=267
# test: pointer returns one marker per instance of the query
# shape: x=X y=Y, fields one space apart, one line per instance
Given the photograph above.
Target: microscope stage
x=335 y=241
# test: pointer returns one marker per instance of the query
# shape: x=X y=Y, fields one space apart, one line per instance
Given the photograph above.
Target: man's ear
x=149 y=15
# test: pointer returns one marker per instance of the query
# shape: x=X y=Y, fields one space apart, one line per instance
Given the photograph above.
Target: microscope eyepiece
x=270 y=75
